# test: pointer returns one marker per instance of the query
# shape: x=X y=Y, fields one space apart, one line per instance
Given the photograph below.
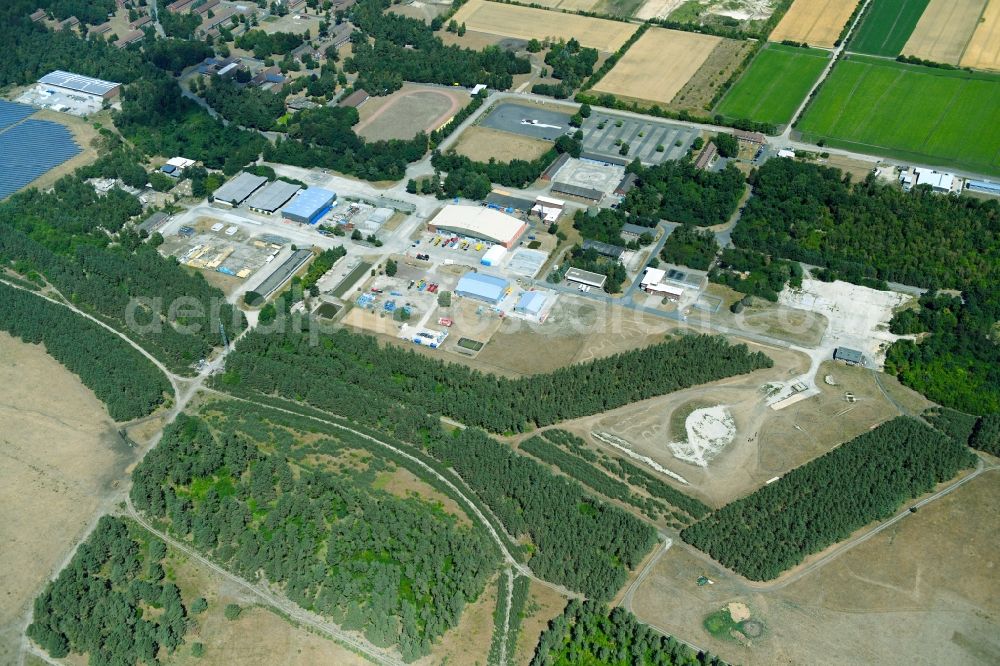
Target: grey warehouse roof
x=78 y=82
x=635 y=229
x=274 y=195
x=240 y=187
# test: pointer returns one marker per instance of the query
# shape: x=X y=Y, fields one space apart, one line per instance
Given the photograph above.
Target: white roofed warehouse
x=479 y=222
x=80 y=85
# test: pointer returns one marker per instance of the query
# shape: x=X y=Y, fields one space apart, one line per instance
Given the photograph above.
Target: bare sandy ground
x=58 y=455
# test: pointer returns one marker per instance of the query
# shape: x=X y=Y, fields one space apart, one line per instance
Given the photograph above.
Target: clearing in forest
x=814 y=22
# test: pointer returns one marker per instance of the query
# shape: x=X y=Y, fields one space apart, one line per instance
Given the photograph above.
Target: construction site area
x=226 y=253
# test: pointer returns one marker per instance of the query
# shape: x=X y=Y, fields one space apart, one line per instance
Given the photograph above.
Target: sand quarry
x=709 y=431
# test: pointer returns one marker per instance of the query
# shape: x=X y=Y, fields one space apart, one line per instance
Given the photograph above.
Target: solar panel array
x=78 y=82
x=12 y=112
x=30 y=149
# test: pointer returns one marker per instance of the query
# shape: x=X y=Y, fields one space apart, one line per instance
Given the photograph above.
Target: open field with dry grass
x=404 y=483
x=673 y=56
x=699 y=91
x=59 y=455
x=657 y=9
x=983 y=50
x=814 y=22
x=922 y=592
x=529 y=23
x=409 y=110
x=801 y=327
x=569 y=5
x=944 y=30
x=542 y=605
x=257 y=637
x=485 y=143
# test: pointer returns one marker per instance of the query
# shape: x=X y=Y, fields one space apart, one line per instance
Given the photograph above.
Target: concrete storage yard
x=590 y=174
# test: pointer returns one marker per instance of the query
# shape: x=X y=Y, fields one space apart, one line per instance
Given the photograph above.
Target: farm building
x=550 y=171
x=849 y=356
x=548 y=209
x=577 y=191
x=68 y=82
x=130 y=37
x=631 y=232
x=652 y=283
x=605 y=249
x=153 y=222
x=754 y=138
x=507 y=202
x=493 y=256
x=586 y=278
x=239 y=189
x=626 y=184
x=272 y=196
x=355 y=99
x=480 y=223
x=984 y=186
x=530 y=303
x=482 y=287
x=309 y=205
x=939 y=182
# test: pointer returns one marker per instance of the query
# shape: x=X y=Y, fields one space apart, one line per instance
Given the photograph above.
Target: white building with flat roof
x=652 y=283
x=479 y=222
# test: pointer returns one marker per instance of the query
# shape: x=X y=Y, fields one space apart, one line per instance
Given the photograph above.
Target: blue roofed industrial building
x=530 y=303
x=482 y=287
x=309 y=205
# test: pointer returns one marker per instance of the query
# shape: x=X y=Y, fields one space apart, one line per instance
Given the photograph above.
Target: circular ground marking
x=752 y=628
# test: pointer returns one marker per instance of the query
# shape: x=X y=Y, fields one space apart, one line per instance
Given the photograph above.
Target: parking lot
x=604 y=131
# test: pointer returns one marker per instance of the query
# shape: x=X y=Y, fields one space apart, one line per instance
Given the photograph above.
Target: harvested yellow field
x=944 y=30
x=658 y=65
x=814 y=22
x=529 y=23
x=568 y=5
x=983 y=52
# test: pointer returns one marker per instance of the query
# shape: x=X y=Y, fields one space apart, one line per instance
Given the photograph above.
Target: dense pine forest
x=611 y=477
x=825 y=500
x=346 y=367
x=580 y=542
x=677 y=191
x=689 y=246
x=79 y=242
x=122 y=378
x=586 y=633
x=257 y=498
x=100 y=604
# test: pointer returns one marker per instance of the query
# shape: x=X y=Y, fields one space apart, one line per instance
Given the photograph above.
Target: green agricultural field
x=886 y=26
x=944 y=117
x=774 y=85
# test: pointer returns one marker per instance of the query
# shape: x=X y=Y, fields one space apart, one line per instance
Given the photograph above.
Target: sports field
x=878 y=106
x=886 y=26
x=814 y=22
x=983 y=51
x=671 y=56
x=944 y=30
x=774 y=85
x=529 y=23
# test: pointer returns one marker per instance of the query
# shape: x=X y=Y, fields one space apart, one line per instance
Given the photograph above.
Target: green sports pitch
x=774 y=85
x=944 y=117
x=886 y=26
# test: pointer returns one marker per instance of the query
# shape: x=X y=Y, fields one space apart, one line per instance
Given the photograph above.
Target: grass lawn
x=886 y=26
x=774 y=85
x=944 y=117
